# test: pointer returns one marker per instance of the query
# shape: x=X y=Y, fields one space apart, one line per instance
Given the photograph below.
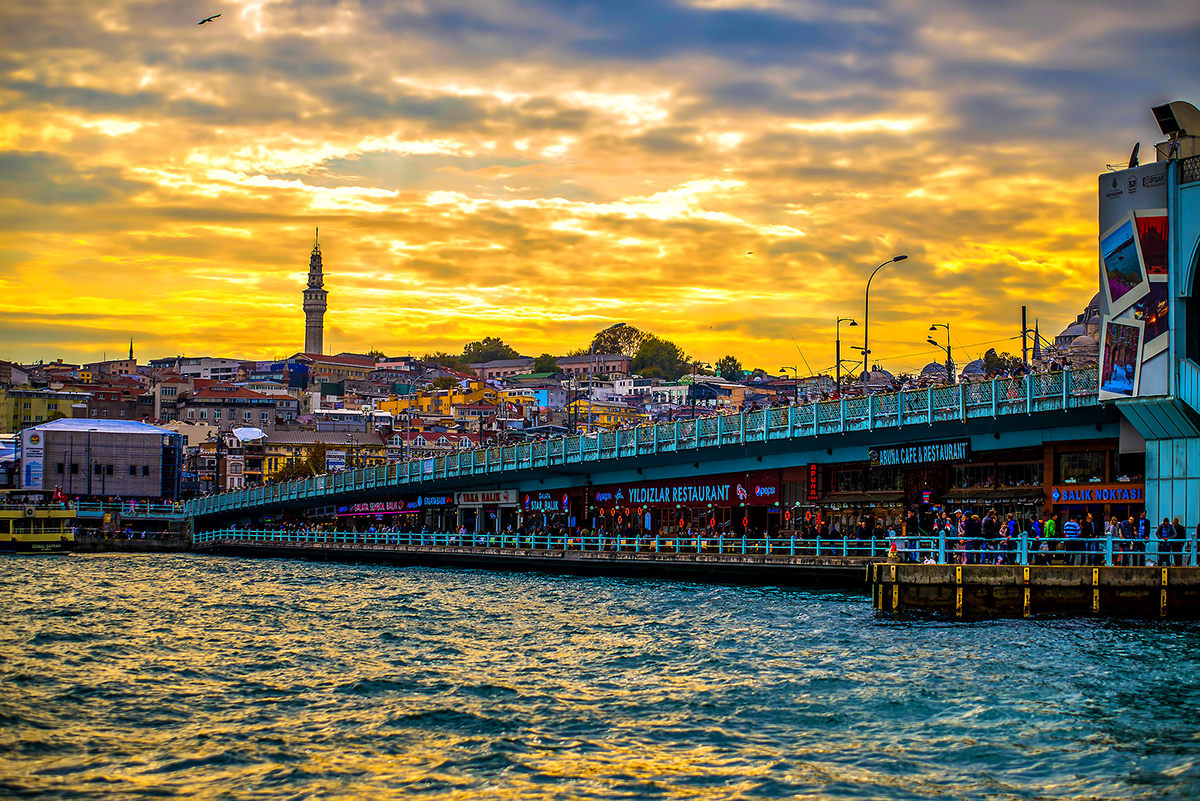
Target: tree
x=376 y=354
x=616 y=339
x=545 y=364
x=312 y=465
x=488 y=349
x=729 y=368
x=1000 y=362
x=659 y=358
x=443 y=359
x=445 y=382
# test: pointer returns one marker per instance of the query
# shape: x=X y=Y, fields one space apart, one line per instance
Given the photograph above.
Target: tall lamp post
x=795 y=385
x=867 y=312
x=949 y=358
x=592 y=369
x=695 y=366
x=837 y=334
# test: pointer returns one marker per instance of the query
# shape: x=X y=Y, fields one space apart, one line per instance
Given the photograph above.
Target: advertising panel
x=757 y=489
x=546 y=502
x=1134 y=276
x=410 y=505
x=32 y=456
x=504 y=497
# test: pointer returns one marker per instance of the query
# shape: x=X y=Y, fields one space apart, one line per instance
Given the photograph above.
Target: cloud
x=725 y=174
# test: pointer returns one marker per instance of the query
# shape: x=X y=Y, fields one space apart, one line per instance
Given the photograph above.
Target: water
x=202 y=677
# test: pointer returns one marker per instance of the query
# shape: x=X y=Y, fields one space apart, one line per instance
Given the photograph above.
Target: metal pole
x=1024 y=336
x=867 y=312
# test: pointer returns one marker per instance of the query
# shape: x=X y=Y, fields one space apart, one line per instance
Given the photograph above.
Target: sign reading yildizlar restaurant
x=920 y=454
x=755 y=489
x=504 y=497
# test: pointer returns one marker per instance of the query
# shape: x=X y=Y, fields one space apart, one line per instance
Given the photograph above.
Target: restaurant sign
x=404 y=506
x=545 y=502
x=505 y=497
x=920 y=454
x=729 y=490
x=1099 y=493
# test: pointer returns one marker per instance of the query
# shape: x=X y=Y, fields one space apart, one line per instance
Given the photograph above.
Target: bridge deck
x=1039 y=392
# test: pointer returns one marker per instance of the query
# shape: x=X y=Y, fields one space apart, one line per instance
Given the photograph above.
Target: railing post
x=929 y=405
x=1108 y=552
x=1024 y=548
x=720 y=429
x=743 y=545
x=962 y=403
x=1028 y=394
x=870 y=409
x=742 y=423
x=1066 y=392
x=995 y=409
x=842 y=414
x=792 y=420
x=846 y=546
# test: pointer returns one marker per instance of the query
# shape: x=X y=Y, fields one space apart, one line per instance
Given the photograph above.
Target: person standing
x=1164 y=533
x=1128 y=532
x=1141 y=530
x=1178 y=543
x=1050 y=531
x=1071 y=530
x=1090 y=535
x=1112 y=535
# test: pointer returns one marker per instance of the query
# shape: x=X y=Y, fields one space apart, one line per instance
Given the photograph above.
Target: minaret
x=314 y=303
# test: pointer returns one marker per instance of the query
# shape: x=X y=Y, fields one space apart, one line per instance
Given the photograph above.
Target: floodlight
x=1178 y=117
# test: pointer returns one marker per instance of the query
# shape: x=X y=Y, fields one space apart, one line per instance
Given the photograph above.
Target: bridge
x=1002 y=412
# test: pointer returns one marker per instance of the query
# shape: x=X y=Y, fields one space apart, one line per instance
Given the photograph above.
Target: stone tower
x=314 y=303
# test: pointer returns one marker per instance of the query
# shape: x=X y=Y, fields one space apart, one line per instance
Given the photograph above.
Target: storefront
x=435 y=512
x=732 y=504
x=487 y=512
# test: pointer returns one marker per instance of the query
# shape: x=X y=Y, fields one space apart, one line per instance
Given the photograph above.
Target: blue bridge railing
x=1039 y=392
x=133 y=509
x=1021 y=550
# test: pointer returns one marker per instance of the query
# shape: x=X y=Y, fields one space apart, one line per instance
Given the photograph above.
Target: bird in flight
x=210 y=19
x=749 y=252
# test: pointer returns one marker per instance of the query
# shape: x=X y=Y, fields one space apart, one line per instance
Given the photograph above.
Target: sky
x=723 y=173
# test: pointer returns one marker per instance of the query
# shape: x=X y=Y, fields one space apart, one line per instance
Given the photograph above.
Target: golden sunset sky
x=723 y=173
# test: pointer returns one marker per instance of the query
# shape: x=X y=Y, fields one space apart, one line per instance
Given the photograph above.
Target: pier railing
x=1039 y=392
x=156 y=511
x=1021 y=550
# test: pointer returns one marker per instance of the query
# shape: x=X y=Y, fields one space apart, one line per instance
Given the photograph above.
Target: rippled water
x=158 y=676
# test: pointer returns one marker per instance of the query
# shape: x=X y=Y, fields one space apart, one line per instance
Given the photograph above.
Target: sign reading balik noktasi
x=728 y=490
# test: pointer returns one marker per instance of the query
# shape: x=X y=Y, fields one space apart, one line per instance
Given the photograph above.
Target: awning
x=247 y=433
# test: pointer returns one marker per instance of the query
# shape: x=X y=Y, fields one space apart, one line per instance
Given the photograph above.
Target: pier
x=1017 y=591
x=731 y=560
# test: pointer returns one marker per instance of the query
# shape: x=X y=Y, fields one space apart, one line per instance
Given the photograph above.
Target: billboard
x=1134 y=290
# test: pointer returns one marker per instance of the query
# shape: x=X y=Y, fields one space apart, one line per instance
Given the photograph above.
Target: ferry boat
x=27 y=529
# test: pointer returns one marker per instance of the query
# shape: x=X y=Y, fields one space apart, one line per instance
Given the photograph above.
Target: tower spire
x=131 y=349
x=314 y=300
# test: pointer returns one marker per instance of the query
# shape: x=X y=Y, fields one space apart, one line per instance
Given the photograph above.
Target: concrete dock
x=761 y=569
x=1012 y=591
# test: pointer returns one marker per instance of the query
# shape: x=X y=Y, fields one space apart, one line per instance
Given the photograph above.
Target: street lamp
x=695 y=366
x=837 y=334
x=949 y=358
x=867 y=311
x=592 y=369
x=795 y=385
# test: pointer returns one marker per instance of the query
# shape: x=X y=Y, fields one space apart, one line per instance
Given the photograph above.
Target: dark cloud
x=51 y=179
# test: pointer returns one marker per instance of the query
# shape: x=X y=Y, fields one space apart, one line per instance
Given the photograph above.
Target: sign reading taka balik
x=919 y=454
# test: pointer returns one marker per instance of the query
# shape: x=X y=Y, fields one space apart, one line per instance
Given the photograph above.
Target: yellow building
x=285 y=447
x=439 y=401
x=605 y=414
x=22 y=408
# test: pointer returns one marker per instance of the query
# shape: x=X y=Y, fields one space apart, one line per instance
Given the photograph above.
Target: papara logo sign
x=34 y=439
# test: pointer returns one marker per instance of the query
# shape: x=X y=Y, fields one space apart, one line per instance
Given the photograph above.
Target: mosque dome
x=974 y=370
x=934 y=371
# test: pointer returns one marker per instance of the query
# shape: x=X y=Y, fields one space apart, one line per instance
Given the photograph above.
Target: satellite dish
x=1133 y=157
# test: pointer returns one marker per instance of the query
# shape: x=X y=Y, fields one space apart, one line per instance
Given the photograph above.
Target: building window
x=59 y=468
x=74 y=468
x=145 y=470
x=1081 y=468
x=246 y=416
x=216 y=414
x=1021 y=475
x=133 y=470
x=886 y=480
x=108 y=469
x=970 y=476
x=52 y=407
x=203 y=414
x=98 y=469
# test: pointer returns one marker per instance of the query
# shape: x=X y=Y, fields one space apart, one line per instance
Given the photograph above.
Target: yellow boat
x=36 y=529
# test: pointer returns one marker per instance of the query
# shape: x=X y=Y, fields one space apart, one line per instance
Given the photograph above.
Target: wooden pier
x=1013 y=591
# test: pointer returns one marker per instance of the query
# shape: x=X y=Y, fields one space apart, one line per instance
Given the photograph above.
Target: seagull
x=210 y=19
x=749 y=252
